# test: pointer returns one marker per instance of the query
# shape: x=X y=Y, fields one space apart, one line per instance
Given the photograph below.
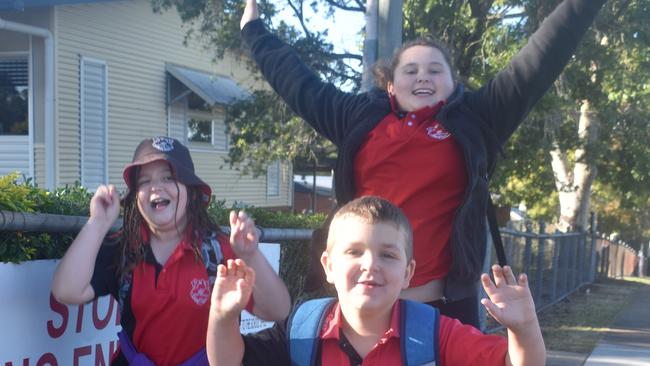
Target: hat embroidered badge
x=163 y=143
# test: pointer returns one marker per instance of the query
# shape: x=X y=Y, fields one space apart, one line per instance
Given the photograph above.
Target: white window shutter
x=94 y=123
x=273 y=179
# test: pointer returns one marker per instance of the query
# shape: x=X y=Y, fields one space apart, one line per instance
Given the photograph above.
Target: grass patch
x=576 y=323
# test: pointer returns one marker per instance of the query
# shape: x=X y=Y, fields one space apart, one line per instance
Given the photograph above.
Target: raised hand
x=232 y=289
x=250 y=13
x=244 y=236
x=105 y=205
x=510 y=301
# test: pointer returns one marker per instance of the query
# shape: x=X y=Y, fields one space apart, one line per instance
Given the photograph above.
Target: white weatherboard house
x=83 y=82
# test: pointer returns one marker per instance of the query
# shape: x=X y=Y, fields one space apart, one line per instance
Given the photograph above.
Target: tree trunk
x=574 y=186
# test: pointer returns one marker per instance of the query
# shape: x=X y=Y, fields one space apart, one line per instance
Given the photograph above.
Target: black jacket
x=481 y=121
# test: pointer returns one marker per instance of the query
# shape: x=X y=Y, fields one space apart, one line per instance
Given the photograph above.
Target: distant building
x=303 y=193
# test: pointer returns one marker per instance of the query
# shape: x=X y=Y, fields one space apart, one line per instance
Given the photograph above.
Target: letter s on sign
x=62 y=310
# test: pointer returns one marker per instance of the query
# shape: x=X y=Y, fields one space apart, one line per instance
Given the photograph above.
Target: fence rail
x=40 y=222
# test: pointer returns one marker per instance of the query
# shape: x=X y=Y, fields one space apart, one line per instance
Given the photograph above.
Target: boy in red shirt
x=369 y=261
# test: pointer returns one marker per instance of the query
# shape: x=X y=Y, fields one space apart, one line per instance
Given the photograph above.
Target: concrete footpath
x=626 y=344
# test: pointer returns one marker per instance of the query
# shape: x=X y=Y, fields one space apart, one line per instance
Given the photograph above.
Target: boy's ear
x=326 y=262
x=410 y=271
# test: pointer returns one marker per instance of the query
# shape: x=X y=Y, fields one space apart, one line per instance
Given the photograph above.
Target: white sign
x=37 y=330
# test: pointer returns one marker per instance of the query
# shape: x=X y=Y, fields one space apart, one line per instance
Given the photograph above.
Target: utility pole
x=383 y=34
x=369 y=44
x=389 y=30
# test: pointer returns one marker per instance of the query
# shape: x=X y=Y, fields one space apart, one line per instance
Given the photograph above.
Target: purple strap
x=199 y=359
x=140 y=359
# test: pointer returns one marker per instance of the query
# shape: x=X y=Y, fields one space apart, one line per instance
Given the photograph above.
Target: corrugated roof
x=211 y=88
x=22 y=4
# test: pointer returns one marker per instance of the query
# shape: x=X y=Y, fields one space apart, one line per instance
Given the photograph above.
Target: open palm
x=232 y=288
x=510 y=301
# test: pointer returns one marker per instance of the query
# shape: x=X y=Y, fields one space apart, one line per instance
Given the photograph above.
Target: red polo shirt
x=413 y=162
x=386 y=352
x=172 y=310
x=458 y=344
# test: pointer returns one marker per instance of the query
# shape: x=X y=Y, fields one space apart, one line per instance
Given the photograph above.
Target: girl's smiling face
x=162 y=200
x=422 y=78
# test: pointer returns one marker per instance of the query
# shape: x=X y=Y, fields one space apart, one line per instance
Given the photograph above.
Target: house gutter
x=49 y=91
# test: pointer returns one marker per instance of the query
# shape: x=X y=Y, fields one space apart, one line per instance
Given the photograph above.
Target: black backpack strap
x=496 y=234
x=212 y=255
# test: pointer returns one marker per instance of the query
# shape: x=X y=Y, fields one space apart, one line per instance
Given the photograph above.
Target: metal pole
x=592 y=251
x=554 y=269
x=528 y=252
x=539 y=274
x=38 y=222
x=389 y=34
x=370 y=44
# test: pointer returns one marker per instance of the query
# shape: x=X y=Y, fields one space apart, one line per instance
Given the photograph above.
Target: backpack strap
x=212 y=256
x=496 y=234
x=419 y=334
x=304 y=330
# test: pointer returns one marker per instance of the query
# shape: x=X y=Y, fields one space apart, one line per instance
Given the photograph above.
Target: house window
x=204 y=129
x=273 y=179
x=199 y=130
x=94 y=122
x=14 y=95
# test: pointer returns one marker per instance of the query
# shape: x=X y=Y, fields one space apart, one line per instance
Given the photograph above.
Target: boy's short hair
x=373 y=209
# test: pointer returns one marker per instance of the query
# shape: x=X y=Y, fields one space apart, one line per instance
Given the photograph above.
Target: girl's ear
x=390 y=88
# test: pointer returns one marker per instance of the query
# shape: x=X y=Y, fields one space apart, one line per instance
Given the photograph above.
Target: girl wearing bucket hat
x=161 y=265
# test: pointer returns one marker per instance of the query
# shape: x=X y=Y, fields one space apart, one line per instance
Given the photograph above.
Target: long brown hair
x=131 y=239
x=384 y=71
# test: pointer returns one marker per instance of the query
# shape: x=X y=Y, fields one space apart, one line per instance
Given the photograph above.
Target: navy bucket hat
x=173 y=152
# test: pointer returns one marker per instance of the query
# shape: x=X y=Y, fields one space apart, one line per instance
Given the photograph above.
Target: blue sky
x=343 y=28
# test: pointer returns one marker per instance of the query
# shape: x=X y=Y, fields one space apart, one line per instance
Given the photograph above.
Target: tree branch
x=360 y=6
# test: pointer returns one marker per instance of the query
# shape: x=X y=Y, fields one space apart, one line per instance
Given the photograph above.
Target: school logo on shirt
x=200 y=291
x=437 y=132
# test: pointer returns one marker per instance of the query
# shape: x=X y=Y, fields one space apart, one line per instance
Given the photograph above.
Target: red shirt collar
x=334 y=321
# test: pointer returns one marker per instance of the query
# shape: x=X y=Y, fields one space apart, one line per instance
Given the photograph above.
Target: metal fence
x=558 y=264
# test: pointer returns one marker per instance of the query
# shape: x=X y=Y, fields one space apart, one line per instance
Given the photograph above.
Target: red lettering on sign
x=112 y=350
x=99 y=356
x=47 y=359
x=80 y=317
x=80 y=352
x=62 y=310
x=25 y=362
x=97 y=321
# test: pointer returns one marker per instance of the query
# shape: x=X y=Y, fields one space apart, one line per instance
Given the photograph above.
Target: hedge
x=24 y=196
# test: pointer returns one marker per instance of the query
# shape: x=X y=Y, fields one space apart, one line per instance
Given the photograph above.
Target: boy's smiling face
x=367 y=263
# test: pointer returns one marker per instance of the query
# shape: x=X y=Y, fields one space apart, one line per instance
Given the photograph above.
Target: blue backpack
x=418 y=332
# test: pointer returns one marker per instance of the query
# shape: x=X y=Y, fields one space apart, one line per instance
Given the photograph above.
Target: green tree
x=590 y=131
x=263 y=129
